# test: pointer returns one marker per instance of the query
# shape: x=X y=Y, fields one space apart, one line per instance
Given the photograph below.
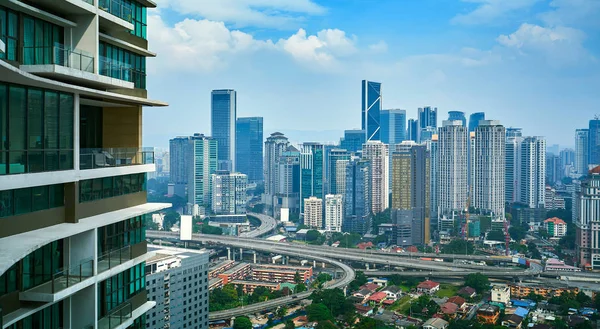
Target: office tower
x=334 y=212
x=340 y=176
x=457 y=116
x=177 y=279
x=393 y=126
x=488 y=190
x=353 y=140
x=412 y=130
x=554 y=149
x=371 y=109
x=336 y=155
x=275 y=145
x=474 y=119
x=427 y=133
x=427 y=118
x=404 y=226
x=377 y=154
x=411 y=188
x=471 y=169
x=532 y=182
x=229 y=193
x=357 y=198
x=204 y=163
x=249 y=148
x=588 y=221
x=432 y=147
x=311 y=171
x=72 y=166
x=567 y=157
x=313 y=212
x=554 y=169
x=287 y=192
x=223 y=114
x=594 y=142
x=328 y=149
x=180 y=163
x=581 y=151
x=452 y=168
x=513 y=165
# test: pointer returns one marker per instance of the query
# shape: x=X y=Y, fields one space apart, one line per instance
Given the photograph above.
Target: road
x=267 y=225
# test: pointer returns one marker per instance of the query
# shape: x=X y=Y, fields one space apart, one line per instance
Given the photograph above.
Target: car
x=294 y=297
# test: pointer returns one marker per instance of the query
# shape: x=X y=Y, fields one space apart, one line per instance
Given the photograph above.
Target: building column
x=255 y=257
x=228 y=253
x=323 y=264
x=367 y=266
x=314 y=264
x=241 y=254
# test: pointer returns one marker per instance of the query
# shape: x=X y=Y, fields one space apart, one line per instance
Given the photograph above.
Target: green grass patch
x=402 y=305
x=447 y=290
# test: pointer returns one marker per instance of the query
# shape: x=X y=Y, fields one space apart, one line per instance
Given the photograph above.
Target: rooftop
x=428 y=284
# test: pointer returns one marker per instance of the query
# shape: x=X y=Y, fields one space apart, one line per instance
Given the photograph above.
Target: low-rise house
x=363 y=293
x=435 y=323
x=467 y=292
x=449 y=309
x=501 y=294
x=381 y=282
x=428 y=287
x=377 y=297
x=393 y=292
x=363 y=309
x=488 y=314
x=512 y=321
x=459 y=301
x=370 y=286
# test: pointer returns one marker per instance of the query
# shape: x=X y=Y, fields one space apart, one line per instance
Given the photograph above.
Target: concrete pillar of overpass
x=255 y=257
x=374 y=266
x=241 y=254
x=314 y=264
x=228 y=253
x=323 y=264
x=367 y=266
x=273 y=260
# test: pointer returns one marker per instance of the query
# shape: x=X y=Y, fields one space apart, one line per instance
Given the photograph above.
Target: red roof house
x=378 y=297
x=428 y=287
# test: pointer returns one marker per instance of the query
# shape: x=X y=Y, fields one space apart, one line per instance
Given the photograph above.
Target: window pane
x=3 y=163
x=56 y=195
x=118 y=186
x=3 y=114
x=17 y=162
x=22 y=201
x=85 y=190
x=66 y=160
x=126 y=184
x=97 y=189
x=17 y=112
x=6 y=203
x=34 y=118
x=107 y=186
x=51 y=119
x=40 y=198
x=35 y=161
x=28 y=41
x=66 y=121
x=51 y=161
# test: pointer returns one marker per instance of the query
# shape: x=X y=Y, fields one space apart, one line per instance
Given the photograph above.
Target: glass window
x=85 y=190
x=9 y=27
x=3 y=114
x=97 y=191
x=16 y=162
x=22 y=201
x=6 y=203
x=66 y=160
x=66 y=122
x=35 y=161
x=40 y=198
x=107 y=186
x=56 y=195
x=34 y=118
x=51 y=120
x=17 y=118
x=51 y=160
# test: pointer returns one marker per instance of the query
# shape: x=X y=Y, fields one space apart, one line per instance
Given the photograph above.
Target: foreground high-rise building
x=275 y=145
x=72 y=167
x=249 y=148
x=582 y=154
x=371 y=109
x=452 y=168
x=377 y=154
x=204 y=157
x=312 y=175
x=353 y=140
x=313 y=212
x=513 y=165
x=180 y=163
x=587 y=221
x=334 y=212
x=223 y=116
x=335 y=176
x=393 y=126
x=177 y=280
x=357 y=198
x=229 y=193
x=532 y=183
x=488 y=188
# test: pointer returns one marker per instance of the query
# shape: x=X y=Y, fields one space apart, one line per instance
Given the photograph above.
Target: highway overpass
x=267 y=225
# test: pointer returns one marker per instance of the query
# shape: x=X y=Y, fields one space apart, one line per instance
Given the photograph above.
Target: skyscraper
x=393 y=126
x=411 y=188
x=287 y=193
x=180 y=163
x=594 y=142
x=313 y=212
x=275 y=145
x=533 y=172
x=581 y=151
x=371 y=109
x=587 y=221
x=432 y=147
x=452 y=168
x=377 y=154
x=353 y=140
x=554 y=169
x=357 y=199
x=223 y=119
x=334 y=212
x=490 y=147
x=204 y=163
x=229 y=193
x=412 y=130
x=72 y=165
x=474 y=119
x=249 y=148
x=457 y=116
x=336 y=155
x=513 y=165
x=427 y=121
x=311 y=171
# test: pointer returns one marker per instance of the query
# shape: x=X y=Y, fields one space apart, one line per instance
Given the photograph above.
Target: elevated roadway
x=267 y=225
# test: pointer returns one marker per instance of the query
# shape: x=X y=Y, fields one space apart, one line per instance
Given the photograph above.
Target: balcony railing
x=122 y=71
x=59 y=55
x=117 y=8
x=115 y=157
x=113 y=258
x=91 y=2
x=72 y=275
x=116 y=316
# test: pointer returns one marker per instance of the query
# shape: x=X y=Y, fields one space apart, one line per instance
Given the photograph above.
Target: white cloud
x=379 y=47
x=573 y=13
x=322 y=48
x=488 y=11
x=281 y=14
x=559 y=45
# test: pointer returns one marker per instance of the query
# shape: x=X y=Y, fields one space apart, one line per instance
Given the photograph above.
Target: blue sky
x=533 y=64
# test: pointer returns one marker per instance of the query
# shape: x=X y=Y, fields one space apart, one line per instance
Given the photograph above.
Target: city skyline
x=506 y=64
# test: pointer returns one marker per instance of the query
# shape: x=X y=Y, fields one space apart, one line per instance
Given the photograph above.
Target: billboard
x=185 y=233
x=285 y=214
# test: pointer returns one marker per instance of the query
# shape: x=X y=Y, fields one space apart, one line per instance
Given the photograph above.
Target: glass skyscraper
x=393 y=126
x=311 y=172
x=594 y=142
x=457 y=116
x=371 y=109
x=223 y=116
x=474 y=119
x=353 y=140
x=249 y=147
x=412 y=130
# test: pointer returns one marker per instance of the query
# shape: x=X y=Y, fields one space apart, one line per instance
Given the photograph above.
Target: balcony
x=122 y=71
x=115 y=157
x=58 y=287
x=59 y=55
x=116 y=317
x=116 y=8
x=113 y=258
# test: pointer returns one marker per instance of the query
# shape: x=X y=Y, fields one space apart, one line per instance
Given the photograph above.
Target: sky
x=533 y=64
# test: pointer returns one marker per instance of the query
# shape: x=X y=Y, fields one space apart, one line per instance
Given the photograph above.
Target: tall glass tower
x=249 y=148
x=371 y=109
x=457 y=116
x=474 y=119
x=311 y=172
x=594 y=142
x=223 y=116
x=393 y=126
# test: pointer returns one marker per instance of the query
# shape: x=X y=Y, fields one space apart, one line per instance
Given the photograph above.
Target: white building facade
x=313 y=212
x=376 y=153
x=334 y=212
x=488 y=190
x=452 y=161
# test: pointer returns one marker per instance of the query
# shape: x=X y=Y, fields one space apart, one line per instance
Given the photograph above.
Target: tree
x=534 y=297
x=171 y=218
x=383 y=217
x=583 y=298
x=495 y=235
x=370 y=323
x=297 y=278
x=478 y=281
x=281 y=312
x=289 y=324
x=458 y=247
x=334 y=300
x=326 y=325
x=517 y=233
x=359 y=280
x=300 y=287
x=324 y=277
x=242 y=322
x=312 y=235
x=318 y=312
x=535 y=253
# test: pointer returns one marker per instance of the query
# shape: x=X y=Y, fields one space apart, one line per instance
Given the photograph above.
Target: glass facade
x=371 y=109
x=49 y=317
x=121 y=234
x=31 y=199
x=223 y=114
x=118 y=289
x=36 y=130
x=39 y=41
x=121 y=64
x=138 y=18
x=108 y=187
x=9 y=33
x=249 y=148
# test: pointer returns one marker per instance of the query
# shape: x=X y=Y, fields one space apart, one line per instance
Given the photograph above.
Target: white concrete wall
x=85 y=36
x=83 y=308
